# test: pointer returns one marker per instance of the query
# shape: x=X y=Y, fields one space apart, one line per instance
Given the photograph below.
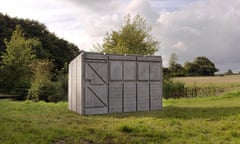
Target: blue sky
x=189 y=28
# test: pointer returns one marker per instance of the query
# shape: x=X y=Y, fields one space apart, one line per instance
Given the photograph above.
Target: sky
x=188 y=28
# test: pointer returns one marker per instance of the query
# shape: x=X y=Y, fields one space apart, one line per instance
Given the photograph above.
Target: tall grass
x=200 y=86
x=172 y=89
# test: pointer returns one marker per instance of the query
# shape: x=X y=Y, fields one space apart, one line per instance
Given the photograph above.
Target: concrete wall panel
x=115 y=97
x=116 y=70
x=74 y=87
x=155 y=71
x=156 y=99
x=130 y=70
x=130 y=97
x=143 y=71
x=143 y=96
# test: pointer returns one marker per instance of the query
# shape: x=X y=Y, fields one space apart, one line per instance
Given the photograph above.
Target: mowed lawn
x=213 y=120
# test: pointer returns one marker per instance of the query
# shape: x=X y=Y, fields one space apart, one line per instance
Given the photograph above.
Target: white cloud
x=144 y=8
x=188 y=28
x=79 y=21
x=99 y=6
x=94 y=19
x=180 y=45
x=208 y=28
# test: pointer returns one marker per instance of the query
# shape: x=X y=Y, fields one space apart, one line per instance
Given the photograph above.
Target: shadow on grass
x=211 y=113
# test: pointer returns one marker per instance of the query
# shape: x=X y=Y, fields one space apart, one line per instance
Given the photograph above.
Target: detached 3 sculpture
x=108 y=83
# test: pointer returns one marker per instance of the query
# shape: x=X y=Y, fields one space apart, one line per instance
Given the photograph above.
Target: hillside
x=192 y=120
x=59 y=50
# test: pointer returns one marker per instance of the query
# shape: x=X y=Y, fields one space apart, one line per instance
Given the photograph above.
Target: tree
x=172 y=62
x=42 y=88
x=229 y=72
x=133 y=38
x=15 y=74
x=190 y=69
x=175 y=69
x=54 y=48
x=205 y=67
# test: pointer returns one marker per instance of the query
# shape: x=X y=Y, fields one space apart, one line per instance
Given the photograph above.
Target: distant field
x=205 y=120
x=209 y=86
x=216 y=80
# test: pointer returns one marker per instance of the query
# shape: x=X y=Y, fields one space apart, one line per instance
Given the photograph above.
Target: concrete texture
x=130 y=97
x=115 y=97
x=143 y=96
x=116 y=72
x=100 y=84
x=130 y=70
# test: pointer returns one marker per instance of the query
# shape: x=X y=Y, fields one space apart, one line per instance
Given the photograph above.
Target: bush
x=173 y=89
x=61 y=78
x=56 y=93
x=42 y=88
x=47 y=91
x=22 y=90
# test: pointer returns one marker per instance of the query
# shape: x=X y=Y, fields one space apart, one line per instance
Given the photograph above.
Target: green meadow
x=181 y=121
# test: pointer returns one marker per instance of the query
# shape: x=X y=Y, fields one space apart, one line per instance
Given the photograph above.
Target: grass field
x=214 y=80
x=209 y=86
x=193 y=120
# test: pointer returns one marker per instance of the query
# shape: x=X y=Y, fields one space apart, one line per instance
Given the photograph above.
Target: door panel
x=96 y=90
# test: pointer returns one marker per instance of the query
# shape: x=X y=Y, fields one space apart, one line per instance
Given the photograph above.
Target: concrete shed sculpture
x=106 y=83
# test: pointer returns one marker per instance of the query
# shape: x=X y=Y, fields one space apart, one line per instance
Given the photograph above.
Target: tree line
x=51 y=47
x=201 y=66
x=33 y=61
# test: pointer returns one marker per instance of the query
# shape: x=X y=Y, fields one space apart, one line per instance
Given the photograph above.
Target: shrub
x=47 y=91
x=22 y=90
x=42 y=87
x=56 y=93
x=173 y=89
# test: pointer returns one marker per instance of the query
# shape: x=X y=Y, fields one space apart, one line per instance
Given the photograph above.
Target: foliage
x=176 y=89
x=226 y=81
x=42 y=73
x=199 y=86
x=61 y=77
x=133 y=38
x=172 y=62
x=201 y=66
x=190 y=69
x=172 y=89
x=47 y=91
x=207 y=86
x=205 y=67
x=229 y=72
x=19 y=54
x=42 y=88
x=203 y=90
x=19 y=51
x=191 y=120
x=175 y=69
x=51 y=47
x=41 y=69
x=166 y=73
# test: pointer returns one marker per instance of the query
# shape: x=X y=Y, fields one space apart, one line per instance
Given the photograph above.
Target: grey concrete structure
x=100 y=84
